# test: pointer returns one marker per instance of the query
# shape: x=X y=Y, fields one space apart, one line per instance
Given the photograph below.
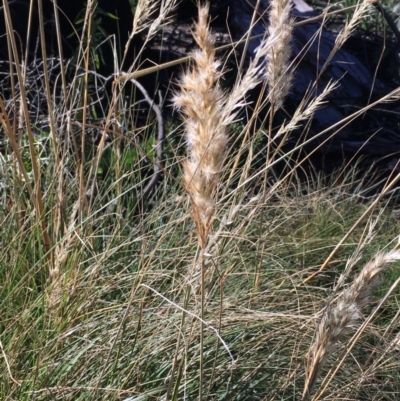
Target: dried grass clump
x=201 y=101
x=342 y=314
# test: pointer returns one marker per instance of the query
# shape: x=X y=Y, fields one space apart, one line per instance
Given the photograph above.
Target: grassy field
x=193 y=272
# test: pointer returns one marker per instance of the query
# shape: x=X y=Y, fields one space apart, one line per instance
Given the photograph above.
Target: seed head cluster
x=201 y=102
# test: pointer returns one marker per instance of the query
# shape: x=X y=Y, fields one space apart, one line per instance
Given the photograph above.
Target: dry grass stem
x=342 y=314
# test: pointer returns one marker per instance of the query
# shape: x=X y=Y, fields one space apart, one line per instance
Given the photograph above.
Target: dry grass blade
x=342 y=314
x=37 y=198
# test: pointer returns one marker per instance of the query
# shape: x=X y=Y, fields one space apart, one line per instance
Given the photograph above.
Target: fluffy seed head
x=201 y=102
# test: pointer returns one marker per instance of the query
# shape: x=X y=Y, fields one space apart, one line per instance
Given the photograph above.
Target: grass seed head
x=278 y=73
x=201 y=102
x=343 y=314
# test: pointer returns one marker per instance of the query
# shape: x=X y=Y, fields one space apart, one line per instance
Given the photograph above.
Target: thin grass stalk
x=14 y=133
x=28 y=35
x=60 y=51
x=177 y=348
x=15 y=146
x=47 y=87
x=117 y=134
x=63 y=249
x=248 y=35
x=60 y=186
x=101 y=146
x=36 y=197
x=70 y=135
x=87 y=30
x=117 y=149
x=202 y=327
x=24 y=66
x=56 y=218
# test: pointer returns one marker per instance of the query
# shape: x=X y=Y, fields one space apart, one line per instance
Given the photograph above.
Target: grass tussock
x=234 y=276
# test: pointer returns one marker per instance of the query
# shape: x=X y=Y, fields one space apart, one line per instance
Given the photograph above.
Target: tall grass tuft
x=100 y=292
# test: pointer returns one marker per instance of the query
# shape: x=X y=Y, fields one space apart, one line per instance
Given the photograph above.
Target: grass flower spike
x=201 y=102
x=278 y=74
x=343 y=314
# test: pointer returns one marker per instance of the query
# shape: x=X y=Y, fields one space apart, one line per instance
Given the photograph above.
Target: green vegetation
x=227 y=279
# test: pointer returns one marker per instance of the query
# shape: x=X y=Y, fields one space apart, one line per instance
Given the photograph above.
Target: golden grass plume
x=201 y=102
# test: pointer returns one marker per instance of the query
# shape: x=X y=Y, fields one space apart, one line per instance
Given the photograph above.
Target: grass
x=373 y=21
x=227 y=279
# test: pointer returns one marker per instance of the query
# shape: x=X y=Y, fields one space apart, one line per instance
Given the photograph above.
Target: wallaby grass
x=106 y=295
